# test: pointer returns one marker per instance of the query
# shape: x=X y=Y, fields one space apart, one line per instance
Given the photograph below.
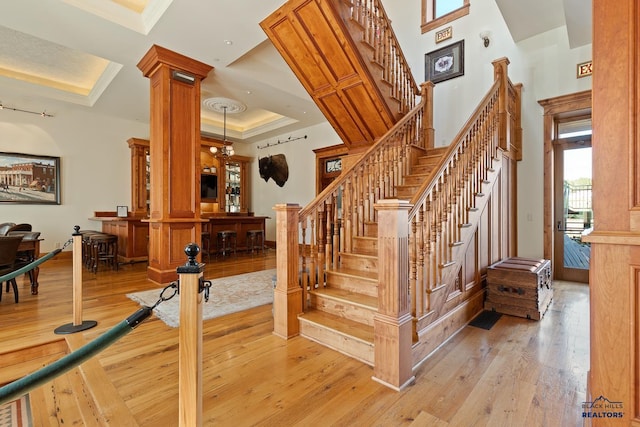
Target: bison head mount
x=274 y=167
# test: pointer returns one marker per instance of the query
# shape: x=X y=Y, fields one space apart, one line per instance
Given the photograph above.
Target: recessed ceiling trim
x=103 y=82
x=121 y=15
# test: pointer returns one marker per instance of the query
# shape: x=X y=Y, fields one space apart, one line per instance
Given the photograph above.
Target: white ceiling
x=62 y=54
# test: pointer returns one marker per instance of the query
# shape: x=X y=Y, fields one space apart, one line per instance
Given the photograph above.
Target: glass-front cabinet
x=235 y=179
x=232 y=189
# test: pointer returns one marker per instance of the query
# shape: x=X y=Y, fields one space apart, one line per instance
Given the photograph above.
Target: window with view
x=440 y=12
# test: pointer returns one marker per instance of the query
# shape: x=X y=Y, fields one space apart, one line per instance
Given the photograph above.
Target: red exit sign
x=585 y=69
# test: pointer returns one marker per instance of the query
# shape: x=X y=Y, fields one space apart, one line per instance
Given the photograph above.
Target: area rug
x=227 y=295
x=486 y=319
x=16 y=413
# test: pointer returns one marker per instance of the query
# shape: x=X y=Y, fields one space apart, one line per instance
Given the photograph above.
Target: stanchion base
x=70 y=328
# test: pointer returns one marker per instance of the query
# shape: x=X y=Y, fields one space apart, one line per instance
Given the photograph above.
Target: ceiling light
x=226 y=150
x=228 y=42
x=40 y=113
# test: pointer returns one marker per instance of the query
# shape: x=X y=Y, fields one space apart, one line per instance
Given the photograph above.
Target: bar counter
x=133 y=232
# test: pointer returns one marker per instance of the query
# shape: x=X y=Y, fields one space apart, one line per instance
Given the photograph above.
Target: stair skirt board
x=444 y=328
x=360 y=350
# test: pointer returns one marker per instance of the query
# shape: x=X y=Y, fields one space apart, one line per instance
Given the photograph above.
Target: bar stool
x=255 y=240
x=104 y=248
x=227 y=241
x=205 y=238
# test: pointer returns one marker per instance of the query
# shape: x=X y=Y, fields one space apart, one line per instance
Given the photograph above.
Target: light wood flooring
x=519 y=373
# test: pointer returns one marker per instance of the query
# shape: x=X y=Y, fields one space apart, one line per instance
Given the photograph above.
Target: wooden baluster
x=419 y=268
x=413 y=261
x=321 y=245
x=336 y=231
x=313 y=252
x=329 y=246
x=347 y=213
x=304 y=277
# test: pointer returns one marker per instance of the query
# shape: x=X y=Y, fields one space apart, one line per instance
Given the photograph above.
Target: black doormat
x=486 y=319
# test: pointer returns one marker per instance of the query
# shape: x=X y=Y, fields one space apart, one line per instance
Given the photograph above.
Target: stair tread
x=366 y=275
x=355 y=298
x=357 y=255
x=343 y=325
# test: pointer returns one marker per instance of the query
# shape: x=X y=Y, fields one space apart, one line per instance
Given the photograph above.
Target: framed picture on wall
x=29 y=179
x=444 y=63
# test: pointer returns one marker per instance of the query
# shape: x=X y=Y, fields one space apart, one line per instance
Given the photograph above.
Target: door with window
x=573 y=211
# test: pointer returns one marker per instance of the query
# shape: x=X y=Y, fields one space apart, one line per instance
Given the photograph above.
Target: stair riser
x=365 y=246
x=337 y=341
x=371 y=229
x=405 y=193
x=422 y=169
x=352 y=284
x=428 y=160
x=343 y=309
x=355 y=262
x=414 y=179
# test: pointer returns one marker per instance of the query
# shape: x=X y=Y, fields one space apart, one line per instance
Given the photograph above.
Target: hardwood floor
x=519 y=373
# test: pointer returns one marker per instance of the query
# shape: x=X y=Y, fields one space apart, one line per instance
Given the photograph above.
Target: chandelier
x=226 y=150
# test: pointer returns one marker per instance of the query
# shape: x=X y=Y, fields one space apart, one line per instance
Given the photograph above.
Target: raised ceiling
x=61 y=54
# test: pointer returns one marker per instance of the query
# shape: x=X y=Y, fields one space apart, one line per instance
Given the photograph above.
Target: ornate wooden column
x=614 y=277
x=175 y=158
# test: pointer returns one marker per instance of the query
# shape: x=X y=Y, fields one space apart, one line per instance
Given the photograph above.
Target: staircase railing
x=441 y=207
x=377 y=33
x=412 y=280
x=341 y=212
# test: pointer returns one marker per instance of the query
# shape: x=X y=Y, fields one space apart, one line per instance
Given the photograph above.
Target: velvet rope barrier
x=23 y=385
x=27 y=268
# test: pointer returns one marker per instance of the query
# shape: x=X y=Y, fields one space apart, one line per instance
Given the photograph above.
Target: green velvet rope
x=29 y=266
x=23 y=385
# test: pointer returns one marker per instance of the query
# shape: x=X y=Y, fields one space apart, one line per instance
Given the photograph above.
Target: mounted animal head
x=274 y=167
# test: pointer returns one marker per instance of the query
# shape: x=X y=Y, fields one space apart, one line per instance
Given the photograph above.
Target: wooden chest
x=519 y=287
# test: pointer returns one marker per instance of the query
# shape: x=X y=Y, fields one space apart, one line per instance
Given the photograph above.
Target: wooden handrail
x=376 y=32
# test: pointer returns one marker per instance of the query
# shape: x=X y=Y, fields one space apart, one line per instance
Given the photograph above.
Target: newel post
x=287 y=296
x=428 y=131
x=500 y=68
x=392 y=323
x=190 y=340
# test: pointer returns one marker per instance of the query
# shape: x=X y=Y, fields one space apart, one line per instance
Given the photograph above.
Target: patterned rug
x=16 y=413
x=227 y=295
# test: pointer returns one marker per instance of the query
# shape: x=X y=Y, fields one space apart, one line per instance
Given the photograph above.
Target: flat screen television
x=208 y=187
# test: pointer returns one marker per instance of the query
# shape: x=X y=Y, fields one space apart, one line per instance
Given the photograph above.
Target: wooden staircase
x=438 y=217
x=347 y=57
x=340 y=314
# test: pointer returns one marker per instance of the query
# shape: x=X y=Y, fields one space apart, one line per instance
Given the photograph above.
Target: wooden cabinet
x=140 y=182
x=235 y=186
x=223 y=184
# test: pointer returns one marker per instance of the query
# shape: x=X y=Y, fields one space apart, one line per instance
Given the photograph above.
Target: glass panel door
x=574 y=212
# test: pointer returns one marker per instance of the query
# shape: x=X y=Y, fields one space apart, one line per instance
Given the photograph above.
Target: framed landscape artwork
x=29 y=179
x=444 y=63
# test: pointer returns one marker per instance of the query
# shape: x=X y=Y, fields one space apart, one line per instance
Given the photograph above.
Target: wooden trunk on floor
x=519 y=287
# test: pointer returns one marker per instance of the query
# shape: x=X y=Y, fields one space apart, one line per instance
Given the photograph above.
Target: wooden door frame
x=560 y=271
x=554 y=108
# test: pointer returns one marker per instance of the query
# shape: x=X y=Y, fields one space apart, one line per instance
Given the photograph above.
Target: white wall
x=95 y=156
x=300 y=187
x=544 y=64
x=95 y=163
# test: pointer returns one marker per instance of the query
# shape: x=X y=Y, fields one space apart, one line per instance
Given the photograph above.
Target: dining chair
x=5 y=227
x=20 y=227
x=8 y=251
